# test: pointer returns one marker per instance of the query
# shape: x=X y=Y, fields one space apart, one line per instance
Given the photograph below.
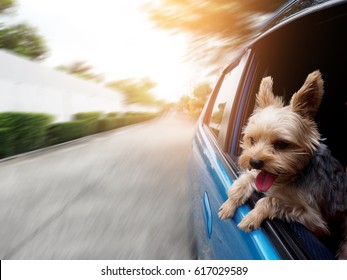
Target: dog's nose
x=256 y=163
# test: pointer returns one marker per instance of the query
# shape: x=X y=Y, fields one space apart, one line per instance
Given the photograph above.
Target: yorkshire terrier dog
x=284 y=158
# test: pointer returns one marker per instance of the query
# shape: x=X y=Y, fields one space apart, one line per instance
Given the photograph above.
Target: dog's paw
x=227 y=210
x=250 y=222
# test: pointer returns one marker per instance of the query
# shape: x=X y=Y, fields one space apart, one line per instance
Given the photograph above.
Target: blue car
x=302 y=37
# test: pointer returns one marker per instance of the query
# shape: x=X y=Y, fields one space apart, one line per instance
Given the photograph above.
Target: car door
x=213 y=172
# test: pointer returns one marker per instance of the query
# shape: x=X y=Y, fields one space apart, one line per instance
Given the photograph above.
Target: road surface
x=116 y=195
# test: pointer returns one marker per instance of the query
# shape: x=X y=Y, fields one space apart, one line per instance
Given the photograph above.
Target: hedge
x=115 y=120
x=6 y=142
x=92 y=119
x=135 y=117
x=28 y=130
x=113 y=114
x=87 y=115
x=107 y=123
x=84 y=123
x=23 y=132
x=66 y=131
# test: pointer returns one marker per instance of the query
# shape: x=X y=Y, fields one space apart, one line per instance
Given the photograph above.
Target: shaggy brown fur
x=284 y=159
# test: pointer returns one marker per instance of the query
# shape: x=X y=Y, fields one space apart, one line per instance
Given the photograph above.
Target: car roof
x=298 y=8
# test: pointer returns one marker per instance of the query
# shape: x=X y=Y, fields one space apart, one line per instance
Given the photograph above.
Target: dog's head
x=279 y=140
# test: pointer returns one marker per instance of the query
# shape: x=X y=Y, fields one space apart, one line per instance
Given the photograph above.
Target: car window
x=289 y=63
x=221 y=107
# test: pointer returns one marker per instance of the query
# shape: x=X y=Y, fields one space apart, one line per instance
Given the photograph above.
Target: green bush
x=136 y=117
x=107 y=123
x=113 y=114
x=6 y=142
x=123 y=120
x=91 y=122
x=91 y=119
x=91 y=126
x=66 y=131
x=22 y=132
x=87 y=115
x=28 y=130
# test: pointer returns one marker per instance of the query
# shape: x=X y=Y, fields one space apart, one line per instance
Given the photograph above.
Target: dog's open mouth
x=264 y=180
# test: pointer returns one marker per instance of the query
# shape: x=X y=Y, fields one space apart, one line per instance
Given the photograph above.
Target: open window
x=289 y=55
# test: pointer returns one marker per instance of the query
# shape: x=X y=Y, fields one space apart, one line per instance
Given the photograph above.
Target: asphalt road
x=116 y=195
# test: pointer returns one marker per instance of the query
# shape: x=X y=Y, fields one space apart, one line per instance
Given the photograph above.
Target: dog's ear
x=307 y=99
x=265 y=96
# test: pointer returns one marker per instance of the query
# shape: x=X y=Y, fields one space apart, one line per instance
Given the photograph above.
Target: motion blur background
x=125 y=80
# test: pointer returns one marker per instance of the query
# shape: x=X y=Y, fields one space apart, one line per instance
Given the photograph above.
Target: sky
x=113 y=36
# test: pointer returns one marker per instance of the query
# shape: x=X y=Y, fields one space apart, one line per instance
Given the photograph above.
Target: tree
x=200 y=95
x=201 y=92
x=183 y=103
x=82 y=70
x=5 y=5
x=215 y=27
x=135 y=90
x=21 y=38
x=195 y=103
x=24 y=40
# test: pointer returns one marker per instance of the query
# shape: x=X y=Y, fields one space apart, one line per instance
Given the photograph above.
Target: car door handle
x=207 y=214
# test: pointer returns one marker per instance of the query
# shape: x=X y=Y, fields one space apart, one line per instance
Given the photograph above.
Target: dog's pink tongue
x=264 y=180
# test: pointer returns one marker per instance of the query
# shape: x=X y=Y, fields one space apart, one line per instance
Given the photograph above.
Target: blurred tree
x=195 y=103
x=200 y=95
x=21 y=38
x=136 y=90
x=201 y=92
x=5 y=5
x=183 y=103
x=82 y=70
x=215 y=27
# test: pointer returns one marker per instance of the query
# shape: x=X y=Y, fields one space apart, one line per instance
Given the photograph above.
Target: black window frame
x=222 y=139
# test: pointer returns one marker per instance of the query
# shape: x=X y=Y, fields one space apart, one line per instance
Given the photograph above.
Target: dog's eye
x=251 y=140
x=280 y=145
